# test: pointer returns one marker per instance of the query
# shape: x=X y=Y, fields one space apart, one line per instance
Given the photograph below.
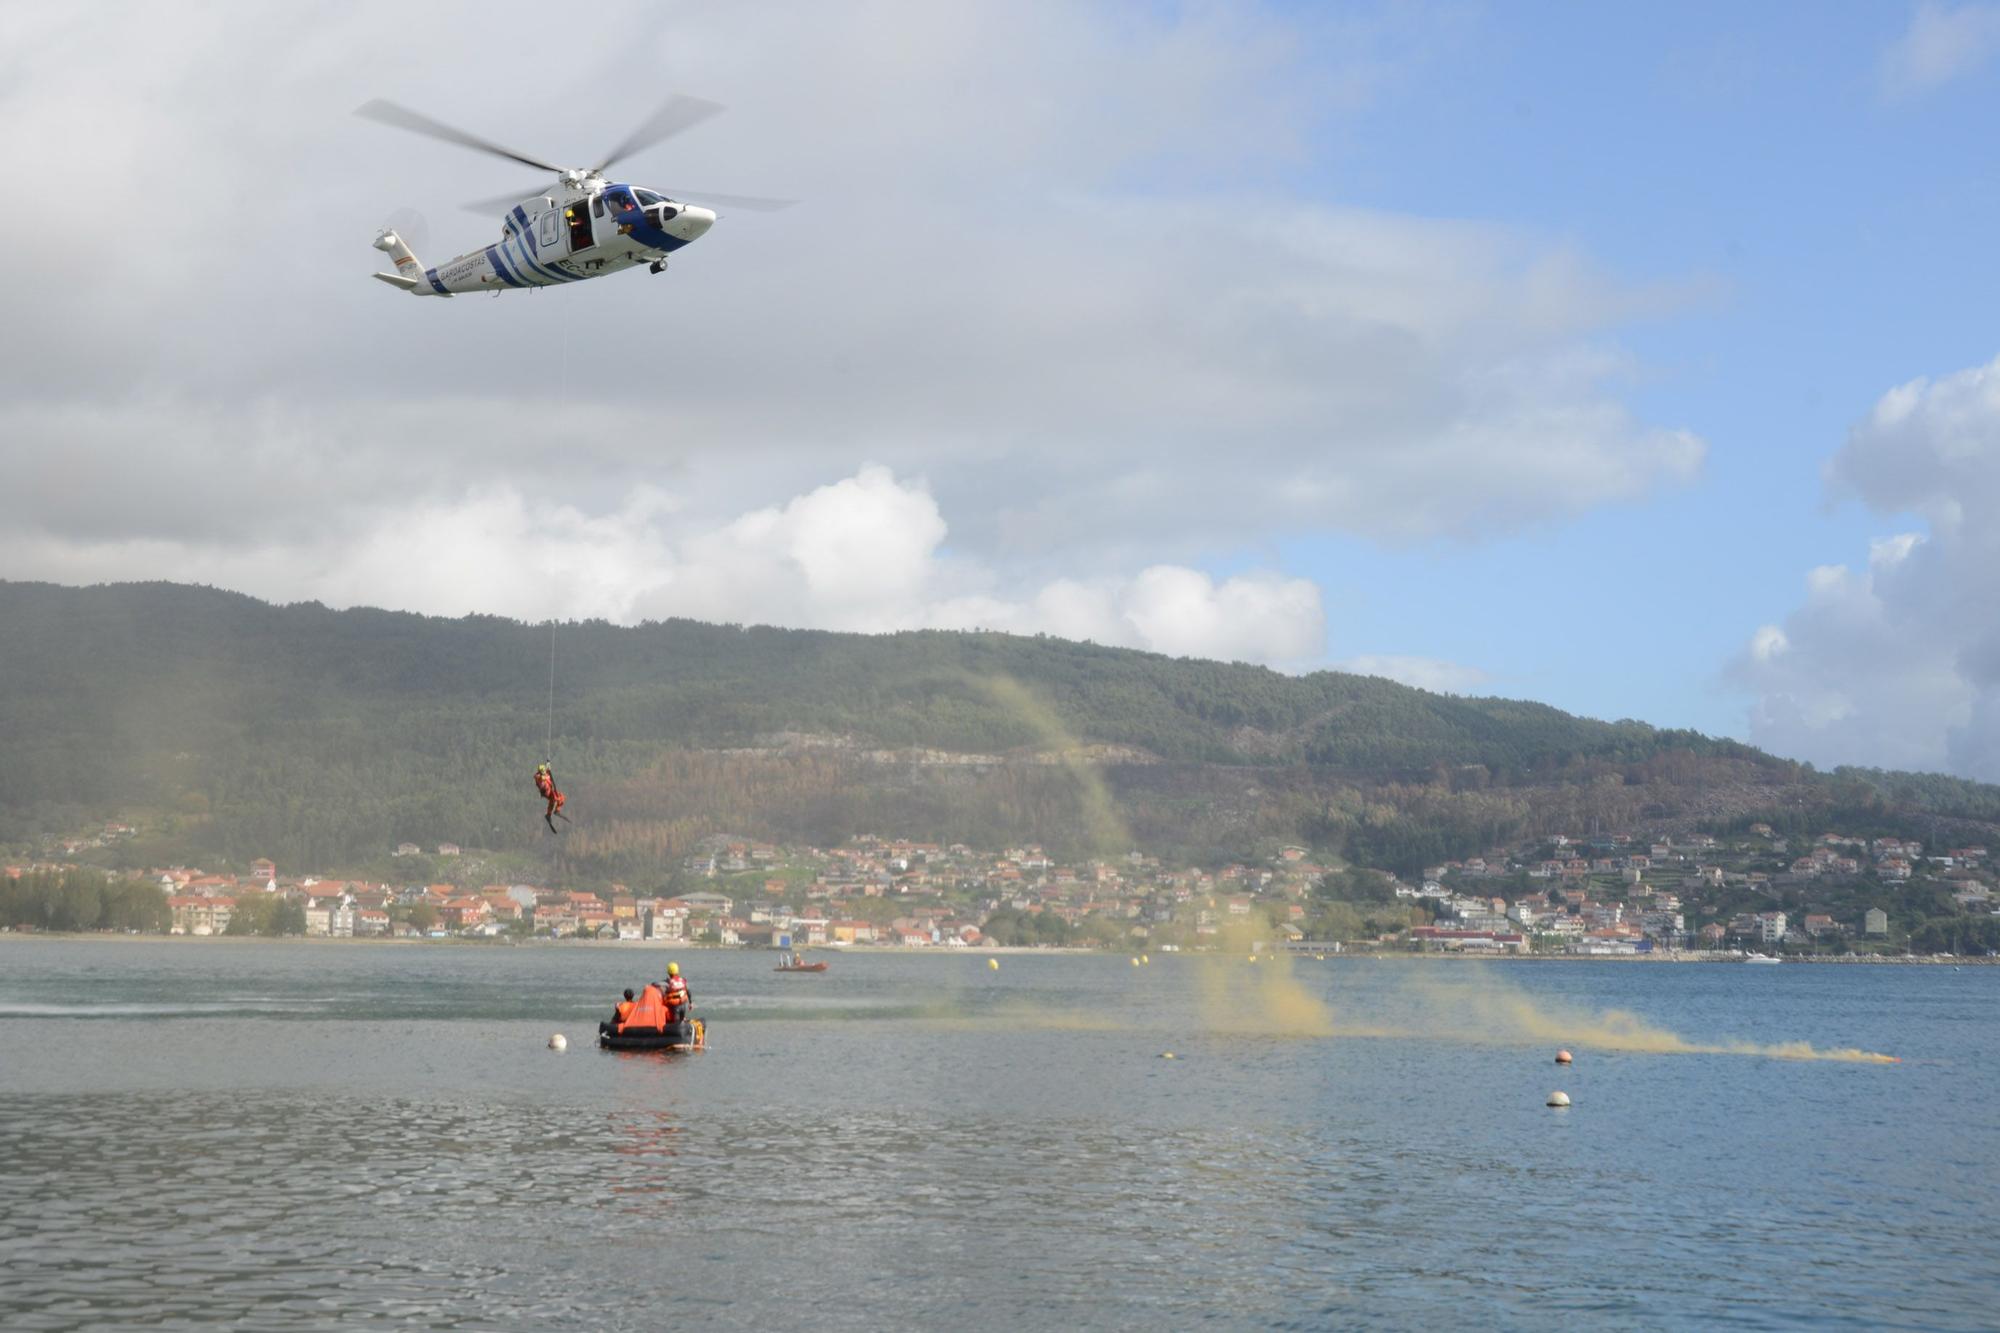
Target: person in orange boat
x=623 y=1011
x=678 y=997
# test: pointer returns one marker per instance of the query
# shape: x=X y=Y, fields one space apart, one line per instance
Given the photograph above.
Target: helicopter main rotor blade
x=755 y=203
x=500 y=202
x=677 y=113
x=388 y=113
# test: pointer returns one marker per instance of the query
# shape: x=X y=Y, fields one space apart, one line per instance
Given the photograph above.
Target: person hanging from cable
x=545 y=783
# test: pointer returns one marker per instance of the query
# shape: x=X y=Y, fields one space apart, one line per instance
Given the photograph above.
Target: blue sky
x=1539 y=350
x=1835 y=238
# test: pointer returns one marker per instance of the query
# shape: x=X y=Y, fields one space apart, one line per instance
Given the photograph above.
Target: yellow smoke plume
x=1470 y=1001
x=1256 y=999
x=1103 y=827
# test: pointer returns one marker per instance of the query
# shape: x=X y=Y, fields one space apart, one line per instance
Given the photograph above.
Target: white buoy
x=559 y=1042
x=1562 y=1057
x=1166 y=1055
x=1558 y=1099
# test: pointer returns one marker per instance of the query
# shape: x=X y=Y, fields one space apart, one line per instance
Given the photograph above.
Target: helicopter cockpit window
x=619 y=199
x=597 y=205
x=647 y=197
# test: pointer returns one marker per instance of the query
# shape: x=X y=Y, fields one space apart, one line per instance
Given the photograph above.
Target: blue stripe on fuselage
x=436 y=286
x=523 y=268
x=525 y=251
x=655 y=239
x=493 y=258
x=533 y=249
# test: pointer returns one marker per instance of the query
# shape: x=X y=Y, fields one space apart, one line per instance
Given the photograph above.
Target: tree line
x=323 y=738
x=82 y=899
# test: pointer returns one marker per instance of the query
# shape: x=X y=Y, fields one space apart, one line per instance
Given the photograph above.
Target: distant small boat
x=1761 y=958
x=797 y=963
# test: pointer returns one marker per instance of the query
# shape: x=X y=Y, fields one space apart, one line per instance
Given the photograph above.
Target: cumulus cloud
x=1260 y=617
x=1426 y=673
x=1896 y=661
x=864 y=553
x=1942 y=43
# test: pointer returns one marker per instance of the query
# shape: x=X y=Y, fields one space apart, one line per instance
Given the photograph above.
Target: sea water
x=327 y=1134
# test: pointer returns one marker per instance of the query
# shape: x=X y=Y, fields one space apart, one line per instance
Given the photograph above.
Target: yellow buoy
x=1135 y=962
x=1166 y=1055
x=993 y=963
x=1146 y=958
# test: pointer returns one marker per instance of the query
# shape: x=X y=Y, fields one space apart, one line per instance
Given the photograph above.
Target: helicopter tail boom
x=409 y=275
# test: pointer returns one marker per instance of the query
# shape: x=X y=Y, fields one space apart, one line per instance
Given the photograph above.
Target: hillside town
x=1616 y=894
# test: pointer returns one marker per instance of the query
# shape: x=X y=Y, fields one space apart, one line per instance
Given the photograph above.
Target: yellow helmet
x=673 y=969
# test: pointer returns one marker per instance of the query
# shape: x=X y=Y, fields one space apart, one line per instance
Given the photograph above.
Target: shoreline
x=1009 y=950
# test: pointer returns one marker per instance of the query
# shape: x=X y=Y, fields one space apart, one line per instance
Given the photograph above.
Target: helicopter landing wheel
x=659 y=266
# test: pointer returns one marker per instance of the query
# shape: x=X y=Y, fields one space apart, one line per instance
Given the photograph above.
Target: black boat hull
x=681 y=1036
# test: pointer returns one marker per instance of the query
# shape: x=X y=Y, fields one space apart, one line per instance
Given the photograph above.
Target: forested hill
x=320 y=735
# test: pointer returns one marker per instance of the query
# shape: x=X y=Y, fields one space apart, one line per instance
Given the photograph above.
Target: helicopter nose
x=694 y=222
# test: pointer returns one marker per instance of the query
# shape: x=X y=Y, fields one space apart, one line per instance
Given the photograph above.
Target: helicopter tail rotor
x=409 y=224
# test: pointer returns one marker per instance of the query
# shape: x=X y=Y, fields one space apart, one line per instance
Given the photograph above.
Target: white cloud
x=1425 y=673
x=859 y=554
x=1942 y=43
x=1768 y=643
x=864 y=553
x=1897 y=662
x=1258 y=618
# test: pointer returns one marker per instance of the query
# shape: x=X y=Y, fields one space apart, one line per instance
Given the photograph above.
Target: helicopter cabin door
x=551 y=237
x=578 y=218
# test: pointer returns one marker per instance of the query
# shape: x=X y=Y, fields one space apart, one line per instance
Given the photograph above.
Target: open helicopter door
x=578 y=217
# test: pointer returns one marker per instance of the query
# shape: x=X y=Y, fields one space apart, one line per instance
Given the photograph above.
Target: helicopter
x=584 y=226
